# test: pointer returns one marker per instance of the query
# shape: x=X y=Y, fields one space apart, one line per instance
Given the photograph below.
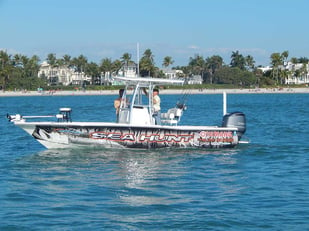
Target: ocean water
x=263 y=185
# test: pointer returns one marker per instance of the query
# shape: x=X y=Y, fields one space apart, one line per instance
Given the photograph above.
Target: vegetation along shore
x=163 y=91
x=19 y=73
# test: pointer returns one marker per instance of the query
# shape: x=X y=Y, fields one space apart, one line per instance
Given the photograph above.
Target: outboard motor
x=236 y=120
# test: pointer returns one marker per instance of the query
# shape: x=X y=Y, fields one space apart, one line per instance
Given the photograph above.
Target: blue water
x=260 y=186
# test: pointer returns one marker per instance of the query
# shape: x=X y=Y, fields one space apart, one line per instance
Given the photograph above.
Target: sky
x=181 y=29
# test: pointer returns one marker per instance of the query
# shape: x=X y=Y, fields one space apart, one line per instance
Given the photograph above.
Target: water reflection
x=135 y=177
x=141 y=177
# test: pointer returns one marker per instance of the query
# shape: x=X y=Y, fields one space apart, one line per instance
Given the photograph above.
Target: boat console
x=64 y=115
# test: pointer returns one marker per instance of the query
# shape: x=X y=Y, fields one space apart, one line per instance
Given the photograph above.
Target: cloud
x=193 y=47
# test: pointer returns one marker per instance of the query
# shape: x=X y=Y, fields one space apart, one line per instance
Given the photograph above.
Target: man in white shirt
x=156 y=106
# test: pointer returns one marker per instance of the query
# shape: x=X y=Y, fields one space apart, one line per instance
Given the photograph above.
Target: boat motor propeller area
x=235 y=119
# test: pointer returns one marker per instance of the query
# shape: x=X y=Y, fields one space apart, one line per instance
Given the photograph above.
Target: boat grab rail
x=18 y=117
x=64 y=116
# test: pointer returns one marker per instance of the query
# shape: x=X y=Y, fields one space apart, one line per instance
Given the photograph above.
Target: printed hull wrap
x=133 y=137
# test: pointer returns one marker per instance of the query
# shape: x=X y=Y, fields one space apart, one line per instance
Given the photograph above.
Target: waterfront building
x=297 y=73
x=62 y=75
x=129 y=70
x=195 y=79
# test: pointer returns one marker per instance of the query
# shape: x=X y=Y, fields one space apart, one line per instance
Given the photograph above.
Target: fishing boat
x=135 y=126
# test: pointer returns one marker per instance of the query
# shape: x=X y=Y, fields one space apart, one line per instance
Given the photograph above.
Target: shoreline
x=162 y=92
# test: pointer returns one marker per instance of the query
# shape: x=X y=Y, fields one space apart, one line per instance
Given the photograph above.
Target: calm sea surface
x=260 y=186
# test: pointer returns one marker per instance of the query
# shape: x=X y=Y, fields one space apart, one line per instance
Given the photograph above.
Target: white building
x=62 y=75
x=195 y=79
x=128 y=70
x=297 y=72
x=172 y=74
x=265 y=69
x=302 y=70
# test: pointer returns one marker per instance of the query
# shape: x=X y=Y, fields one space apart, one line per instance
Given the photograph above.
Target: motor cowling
x=235 y=120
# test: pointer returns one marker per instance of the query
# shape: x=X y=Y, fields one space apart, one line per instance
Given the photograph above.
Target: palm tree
x=126 y=59
x=106 y=66
x=148 y=55
x=67 y=60
x=276 y=61
x=80 y=63
x=238 y=60
x=167 y=61
x=93 y=71
x=147 y=66
x=52 y=60
x=285 y=55
x=213 y=63
x=6 y=68
x=303 y=60
x=31 y=69
x=17 y=60
x=197 y=65
x=116 y=66
x=250 y=62
x=303 y=70
x=294 y=60
x=34 y=65
x=126 y=62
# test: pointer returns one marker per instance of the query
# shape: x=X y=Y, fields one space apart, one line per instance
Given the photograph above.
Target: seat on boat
x=172 y=116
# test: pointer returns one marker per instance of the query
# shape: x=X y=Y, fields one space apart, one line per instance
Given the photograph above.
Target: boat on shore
x=136 y=126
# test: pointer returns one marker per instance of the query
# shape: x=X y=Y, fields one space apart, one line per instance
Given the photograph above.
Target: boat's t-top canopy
x=149 y=81
x=137 y=109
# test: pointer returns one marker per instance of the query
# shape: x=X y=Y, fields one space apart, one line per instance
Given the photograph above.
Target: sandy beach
x=163 y=91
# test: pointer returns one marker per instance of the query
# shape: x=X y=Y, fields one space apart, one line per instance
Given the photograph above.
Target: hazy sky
x=178 y=28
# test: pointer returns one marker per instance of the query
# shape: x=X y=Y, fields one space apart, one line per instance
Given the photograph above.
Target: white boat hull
x=114 y=135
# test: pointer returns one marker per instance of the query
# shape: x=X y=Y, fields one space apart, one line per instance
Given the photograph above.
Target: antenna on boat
x=224 y=104
x=137 y=50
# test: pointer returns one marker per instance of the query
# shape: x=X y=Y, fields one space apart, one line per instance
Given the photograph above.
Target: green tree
x=285 y=55
x=93 y=70
x=303 y=60
x=235 y=76
x=6 y=68
x=25 y=73
x=106 y=66
x=197 y=65
x=276 y=61
x=116 y=66
x=213 y=64
x=167 y=61
x=80 y=63
x=67 y=60
x=294 y=60
x=146 y=64
x=238 y=60
x=52 y=60
x=31 y=69
x=126 y=59
x=249 y=60
x=304 y=70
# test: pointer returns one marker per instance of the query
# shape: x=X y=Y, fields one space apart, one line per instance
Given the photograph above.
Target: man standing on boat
x=117 y=103
x=156 y=105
